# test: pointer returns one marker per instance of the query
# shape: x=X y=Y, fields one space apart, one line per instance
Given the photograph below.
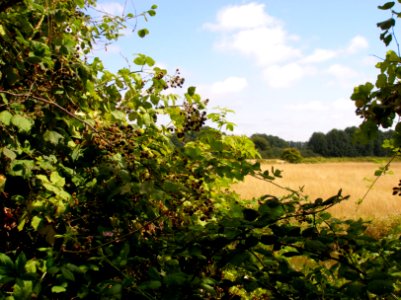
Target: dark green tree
x=318 y=143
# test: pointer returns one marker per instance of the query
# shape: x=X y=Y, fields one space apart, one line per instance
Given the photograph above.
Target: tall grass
x=325 y=179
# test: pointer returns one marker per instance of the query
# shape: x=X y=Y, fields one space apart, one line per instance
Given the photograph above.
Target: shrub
x=291 y=155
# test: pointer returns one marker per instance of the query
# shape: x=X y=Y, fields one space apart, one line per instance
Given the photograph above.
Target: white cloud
x=267 y=45
x=284 y=76
x=229 y=85
x=320 y=55
x=334 y=107
x=245 y=16
x=112 y=8
x=314 y=106
x=357 y=43
x=249 y=30
x=343 y=76
x=340 y=71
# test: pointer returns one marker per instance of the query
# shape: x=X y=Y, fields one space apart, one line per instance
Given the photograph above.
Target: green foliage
x=95 y=206
x=292 y=155
x=378 y=103
x=349 y=142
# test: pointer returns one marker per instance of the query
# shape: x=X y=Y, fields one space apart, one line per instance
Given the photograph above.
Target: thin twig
x=118 y=239
x=52 y=103
x=376 y=179
x=277 y=185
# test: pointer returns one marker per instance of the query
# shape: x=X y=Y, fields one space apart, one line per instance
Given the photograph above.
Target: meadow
x=325 y=179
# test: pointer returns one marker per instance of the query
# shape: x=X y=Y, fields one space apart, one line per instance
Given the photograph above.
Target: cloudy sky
x=286 y=68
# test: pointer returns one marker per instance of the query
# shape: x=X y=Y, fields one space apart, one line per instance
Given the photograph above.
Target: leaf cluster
x=99 y=199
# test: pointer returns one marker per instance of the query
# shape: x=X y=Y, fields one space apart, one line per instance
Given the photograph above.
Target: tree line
x=335 y=143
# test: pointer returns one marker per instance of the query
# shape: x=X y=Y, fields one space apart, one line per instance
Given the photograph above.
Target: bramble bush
x=99 y=200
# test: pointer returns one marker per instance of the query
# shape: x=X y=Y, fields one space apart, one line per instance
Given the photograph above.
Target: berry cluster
x=176 y=80
x=195 y=118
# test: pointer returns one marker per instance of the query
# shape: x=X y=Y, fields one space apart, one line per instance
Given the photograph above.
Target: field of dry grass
x=325 y=179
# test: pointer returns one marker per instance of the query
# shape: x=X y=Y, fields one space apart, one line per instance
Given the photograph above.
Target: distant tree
x=291 y=155
x=318 y=143
x=276 y=141
x=260 y=141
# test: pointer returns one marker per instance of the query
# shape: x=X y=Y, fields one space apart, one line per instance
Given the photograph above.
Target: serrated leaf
x=23 y=124
x=5 y=117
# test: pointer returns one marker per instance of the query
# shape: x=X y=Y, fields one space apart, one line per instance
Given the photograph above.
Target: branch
x=117 y=239
x=277 y=185
x=377 y=178
x=52 y=103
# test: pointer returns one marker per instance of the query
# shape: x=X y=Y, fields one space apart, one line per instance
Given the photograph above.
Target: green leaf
x=143 y=32
x=20 y=263
x=5 y=117
x=23 y=289
x=36 y=221
x=22 y=168
x=23 y=124
x=12 y=75
x=387 y=24
x=150 y=285
x=6 y=261
x=387 y=5
x=56 y=179
x=9 y=153
x=315 y=246
x=58 y=289
x=191 y=90
x=348 y=273
x=52 y=137
x=178 y=278
x=150 y=61
x=67 y=274
x=140 y=60
x=381 y=81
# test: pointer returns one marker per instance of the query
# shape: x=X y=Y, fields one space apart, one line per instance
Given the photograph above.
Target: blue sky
x=286 y=68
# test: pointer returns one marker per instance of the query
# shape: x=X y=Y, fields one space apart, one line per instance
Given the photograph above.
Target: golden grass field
x=325 y=179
